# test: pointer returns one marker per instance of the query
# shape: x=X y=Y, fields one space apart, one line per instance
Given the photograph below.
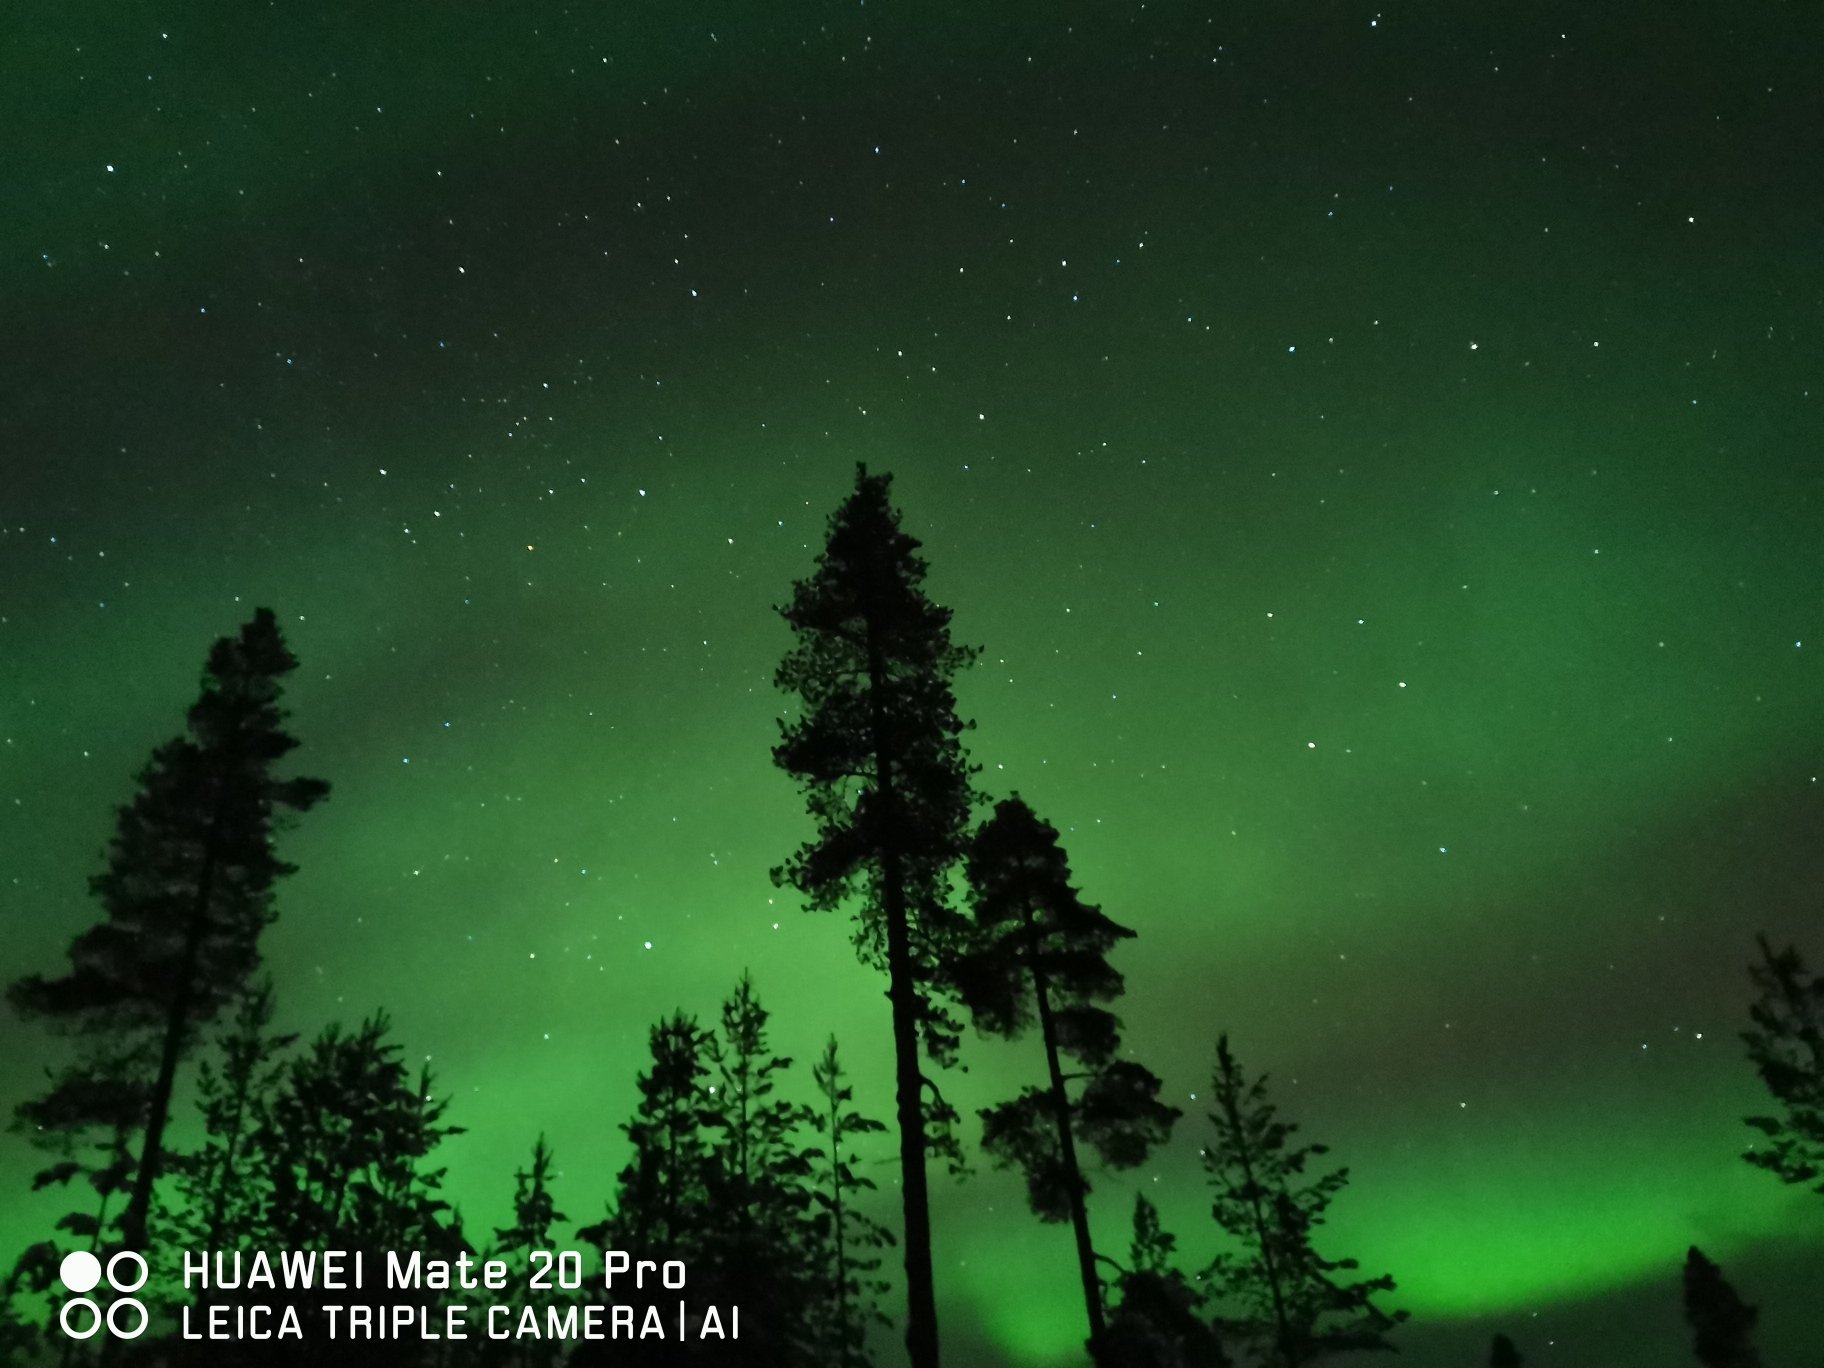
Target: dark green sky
x=1377 y=449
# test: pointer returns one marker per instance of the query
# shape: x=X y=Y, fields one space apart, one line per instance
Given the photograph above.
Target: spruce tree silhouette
x=1042 y=955
x=1293 y=1311
x=534 y=1209
x=848 y=1287
x=189 y=886
x=756 y=1236
x=877 y=751
x=340 y=1158
x=341 y=1147
x=1503 y=1354
x=534 y=1213
x=1787 y=1047
x=1720 y=1322
x=1155 y=1321
x=88 y=1117
x=32 y=1274
x=662 y=1194
x=663 y=1203
x=224 y=1196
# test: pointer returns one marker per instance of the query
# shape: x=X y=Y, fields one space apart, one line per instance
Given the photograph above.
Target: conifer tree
x=534 y=1209
x=1721 y=1324
x=223 y=1195
x=32 y=1274
x=1042 y=956
x=1787 y=1047
x=88 y=1119
x=755 y=1236
x=662 y=1206
x=339 y=1160
x=1155 y=1321
x=1293 y=1311
x=877 y=749
x=1503 y=1354
x=847 y=1282
x=534 y=1213
x=662 y=1195
x=188 y=889
x=341 y=1147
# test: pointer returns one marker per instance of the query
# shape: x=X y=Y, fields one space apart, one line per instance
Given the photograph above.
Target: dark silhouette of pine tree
x=32 y=1275
x=755 y=1241
x=1787 y=1047
x=714 y=1181
x=848 y=1287
x=662 y=1194
x=1042 y=956
x=534 y=1209
x=1503 y=1354
x=534 y=1213
x=877 y=751
x=337 y=1161
x=341 y=1148
x=1293 y=1311
x=88 y=1119
x=189 y=886
x=223 y=1197
x=1154 y=1322
x=1720 y=1322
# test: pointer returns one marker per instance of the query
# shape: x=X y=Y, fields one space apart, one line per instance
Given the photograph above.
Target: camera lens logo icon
x=81 y=1272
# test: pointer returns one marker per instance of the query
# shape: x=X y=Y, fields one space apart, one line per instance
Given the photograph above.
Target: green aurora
x=1375 y=449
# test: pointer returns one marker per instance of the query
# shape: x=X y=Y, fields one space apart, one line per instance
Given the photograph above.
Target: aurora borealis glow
x=1376 y=449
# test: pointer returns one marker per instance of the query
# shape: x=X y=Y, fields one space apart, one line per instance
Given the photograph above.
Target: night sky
x=1377 y=450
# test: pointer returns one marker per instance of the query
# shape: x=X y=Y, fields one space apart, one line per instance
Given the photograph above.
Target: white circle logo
x=137 y=1330
x=80 y=1271
x=87 y=1305
x=119 y=1286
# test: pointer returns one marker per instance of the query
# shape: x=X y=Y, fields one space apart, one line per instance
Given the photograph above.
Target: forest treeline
x=744 y=1167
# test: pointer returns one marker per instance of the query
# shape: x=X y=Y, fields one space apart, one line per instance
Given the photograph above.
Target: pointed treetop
x=867 y=568
x=192 y=857
x=1720 y=1321
x=877 y=745
x=534 y=1209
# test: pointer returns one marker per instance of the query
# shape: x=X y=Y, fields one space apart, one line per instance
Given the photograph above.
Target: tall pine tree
x=1042 y=957
x=1292 y=1310
x=189 y=886
x=1721 y=1323
x=1787 y=1047
x=877 y=749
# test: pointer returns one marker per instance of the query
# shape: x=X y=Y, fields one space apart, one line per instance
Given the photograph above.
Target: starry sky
x=1375 y=448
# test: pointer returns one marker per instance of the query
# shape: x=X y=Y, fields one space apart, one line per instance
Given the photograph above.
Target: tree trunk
x=1060 y=1102
x=921 y=1300
x=177 y=1024
x=921 y=1296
